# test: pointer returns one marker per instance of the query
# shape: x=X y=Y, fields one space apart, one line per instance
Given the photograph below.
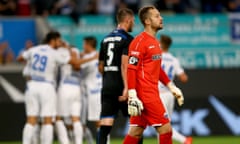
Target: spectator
x=6 y=53
x=106 y=6
x=66 y=7
x=212 y=6
x=24 y=7
x=177 y=6
x=42 y=7
x=193 y=6
x=91 y=7
x=133 y=5
x=233 y=5
x=7 y=7
x=28 y=44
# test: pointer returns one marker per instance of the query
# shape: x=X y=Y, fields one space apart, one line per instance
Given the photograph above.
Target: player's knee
x=166 y=128
x=32 y=120
x=58 y=118
x=47 y=120
x=107 y=121
x=75 y=119
x=136 y=131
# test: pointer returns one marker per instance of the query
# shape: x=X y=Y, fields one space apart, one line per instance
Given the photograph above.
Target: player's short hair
x=52 y=35
x=122 y=13
x=91 y=40
x=144 y=13
x=166 y=41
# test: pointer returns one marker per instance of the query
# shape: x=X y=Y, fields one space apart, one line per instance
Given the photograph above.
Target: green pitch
x=196 y=140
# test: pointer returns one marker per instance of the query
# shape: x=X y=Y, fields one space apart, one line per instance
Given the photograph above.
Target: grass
x=196 y=140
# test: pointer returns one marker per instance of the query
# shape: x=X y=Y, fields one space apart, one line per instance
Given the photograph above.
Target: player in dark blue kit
x=113 y=61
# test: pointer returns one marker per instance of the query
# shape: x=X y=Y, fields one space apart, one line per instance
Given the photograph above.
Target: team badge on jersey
x=156 y=57
x=133 y=60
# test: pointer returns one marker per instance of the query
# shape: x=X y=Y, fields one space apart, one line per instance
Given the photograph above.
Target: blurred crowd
x=77 y=7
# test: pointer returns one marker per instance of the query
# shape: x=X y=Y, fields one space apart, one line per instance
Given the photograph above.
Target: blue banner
x=199 y=41
x=16 y=32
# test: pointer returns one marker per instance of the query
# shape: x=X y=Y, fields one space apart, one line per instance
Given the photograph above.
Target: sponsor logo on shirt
x=135 y=53
x=156 y=57
x=133 y=60
x=151 y=46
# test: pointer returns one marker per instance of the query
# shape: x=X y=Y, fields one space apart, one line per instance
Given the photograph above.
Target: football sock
x=78 y=132
x=46 y=134
x=108 y=139
x=35 y=137
x=165 y=138
x=61 y=132
x=88 y=136
x=28 y=133
x=178 y=137
x=130 y=140
x=102 y=134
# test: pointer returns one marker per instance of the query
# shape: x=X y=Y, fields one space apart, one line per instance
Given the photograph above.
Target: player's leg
x=36 y=134
x=134 y=135
x=94 y=99
x=77 y=130
x=61 y=131
x=137 y=126
x=168 y=100
x=62 y=110
x=108 y=111
x=84 y=114
x=124 y=108
x=158 y=117
x=32 y=111
x=165 y=133
x=75 y=114
x=29 y=129
x=181 y=138
x=47 y=95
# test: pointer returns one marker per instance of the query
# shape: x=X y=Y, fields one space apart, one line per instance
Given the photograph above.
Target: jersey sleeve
x=101 y=54
x=76 y=50
x=62 y=56
x=178 y=68
x=135 y=56
x=163 y=77
x=126 y=46
x=27 y=54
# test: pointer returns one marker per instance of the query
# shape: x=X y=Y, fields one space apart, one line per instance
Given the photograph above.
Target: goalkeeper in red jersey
x=144 y=72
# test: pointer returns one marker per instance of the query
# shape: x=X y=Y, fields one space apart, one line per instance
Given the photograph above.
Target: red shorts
x=154 y=114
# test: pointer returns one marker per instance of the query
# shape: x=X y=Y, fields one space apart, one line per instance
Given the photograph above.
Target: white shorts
x=40 y=99
x=94 y=102
x=69 y=100
x=168 y=100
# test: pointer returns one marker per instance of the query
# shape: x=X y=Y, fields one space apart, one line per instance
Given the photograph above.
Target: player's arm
x=135 y=106
x=82 y=61
x=124 y=64
x=101 y=60
x=24 y=56
x=76 y=62
x=101 y=67
x=20 y=58
x=171 y=86
x=183 y=77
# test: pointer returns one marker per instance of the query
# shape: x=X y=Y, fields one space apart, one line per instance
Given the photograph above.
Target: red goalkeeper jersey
x=144 y=67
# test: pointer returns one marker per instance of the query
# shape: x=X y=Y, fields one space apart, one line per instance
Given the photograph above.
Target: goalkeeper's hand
x=135 y=106
x=177 y=93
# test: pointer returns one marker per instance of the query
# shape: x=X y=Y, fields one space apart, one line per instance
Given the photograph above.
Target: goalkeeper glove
x=135 y=106
x=177 y=93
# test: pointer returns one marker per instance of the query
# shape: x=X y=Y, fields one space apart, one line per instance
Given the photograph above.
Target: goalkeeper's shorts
x=154 y=114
